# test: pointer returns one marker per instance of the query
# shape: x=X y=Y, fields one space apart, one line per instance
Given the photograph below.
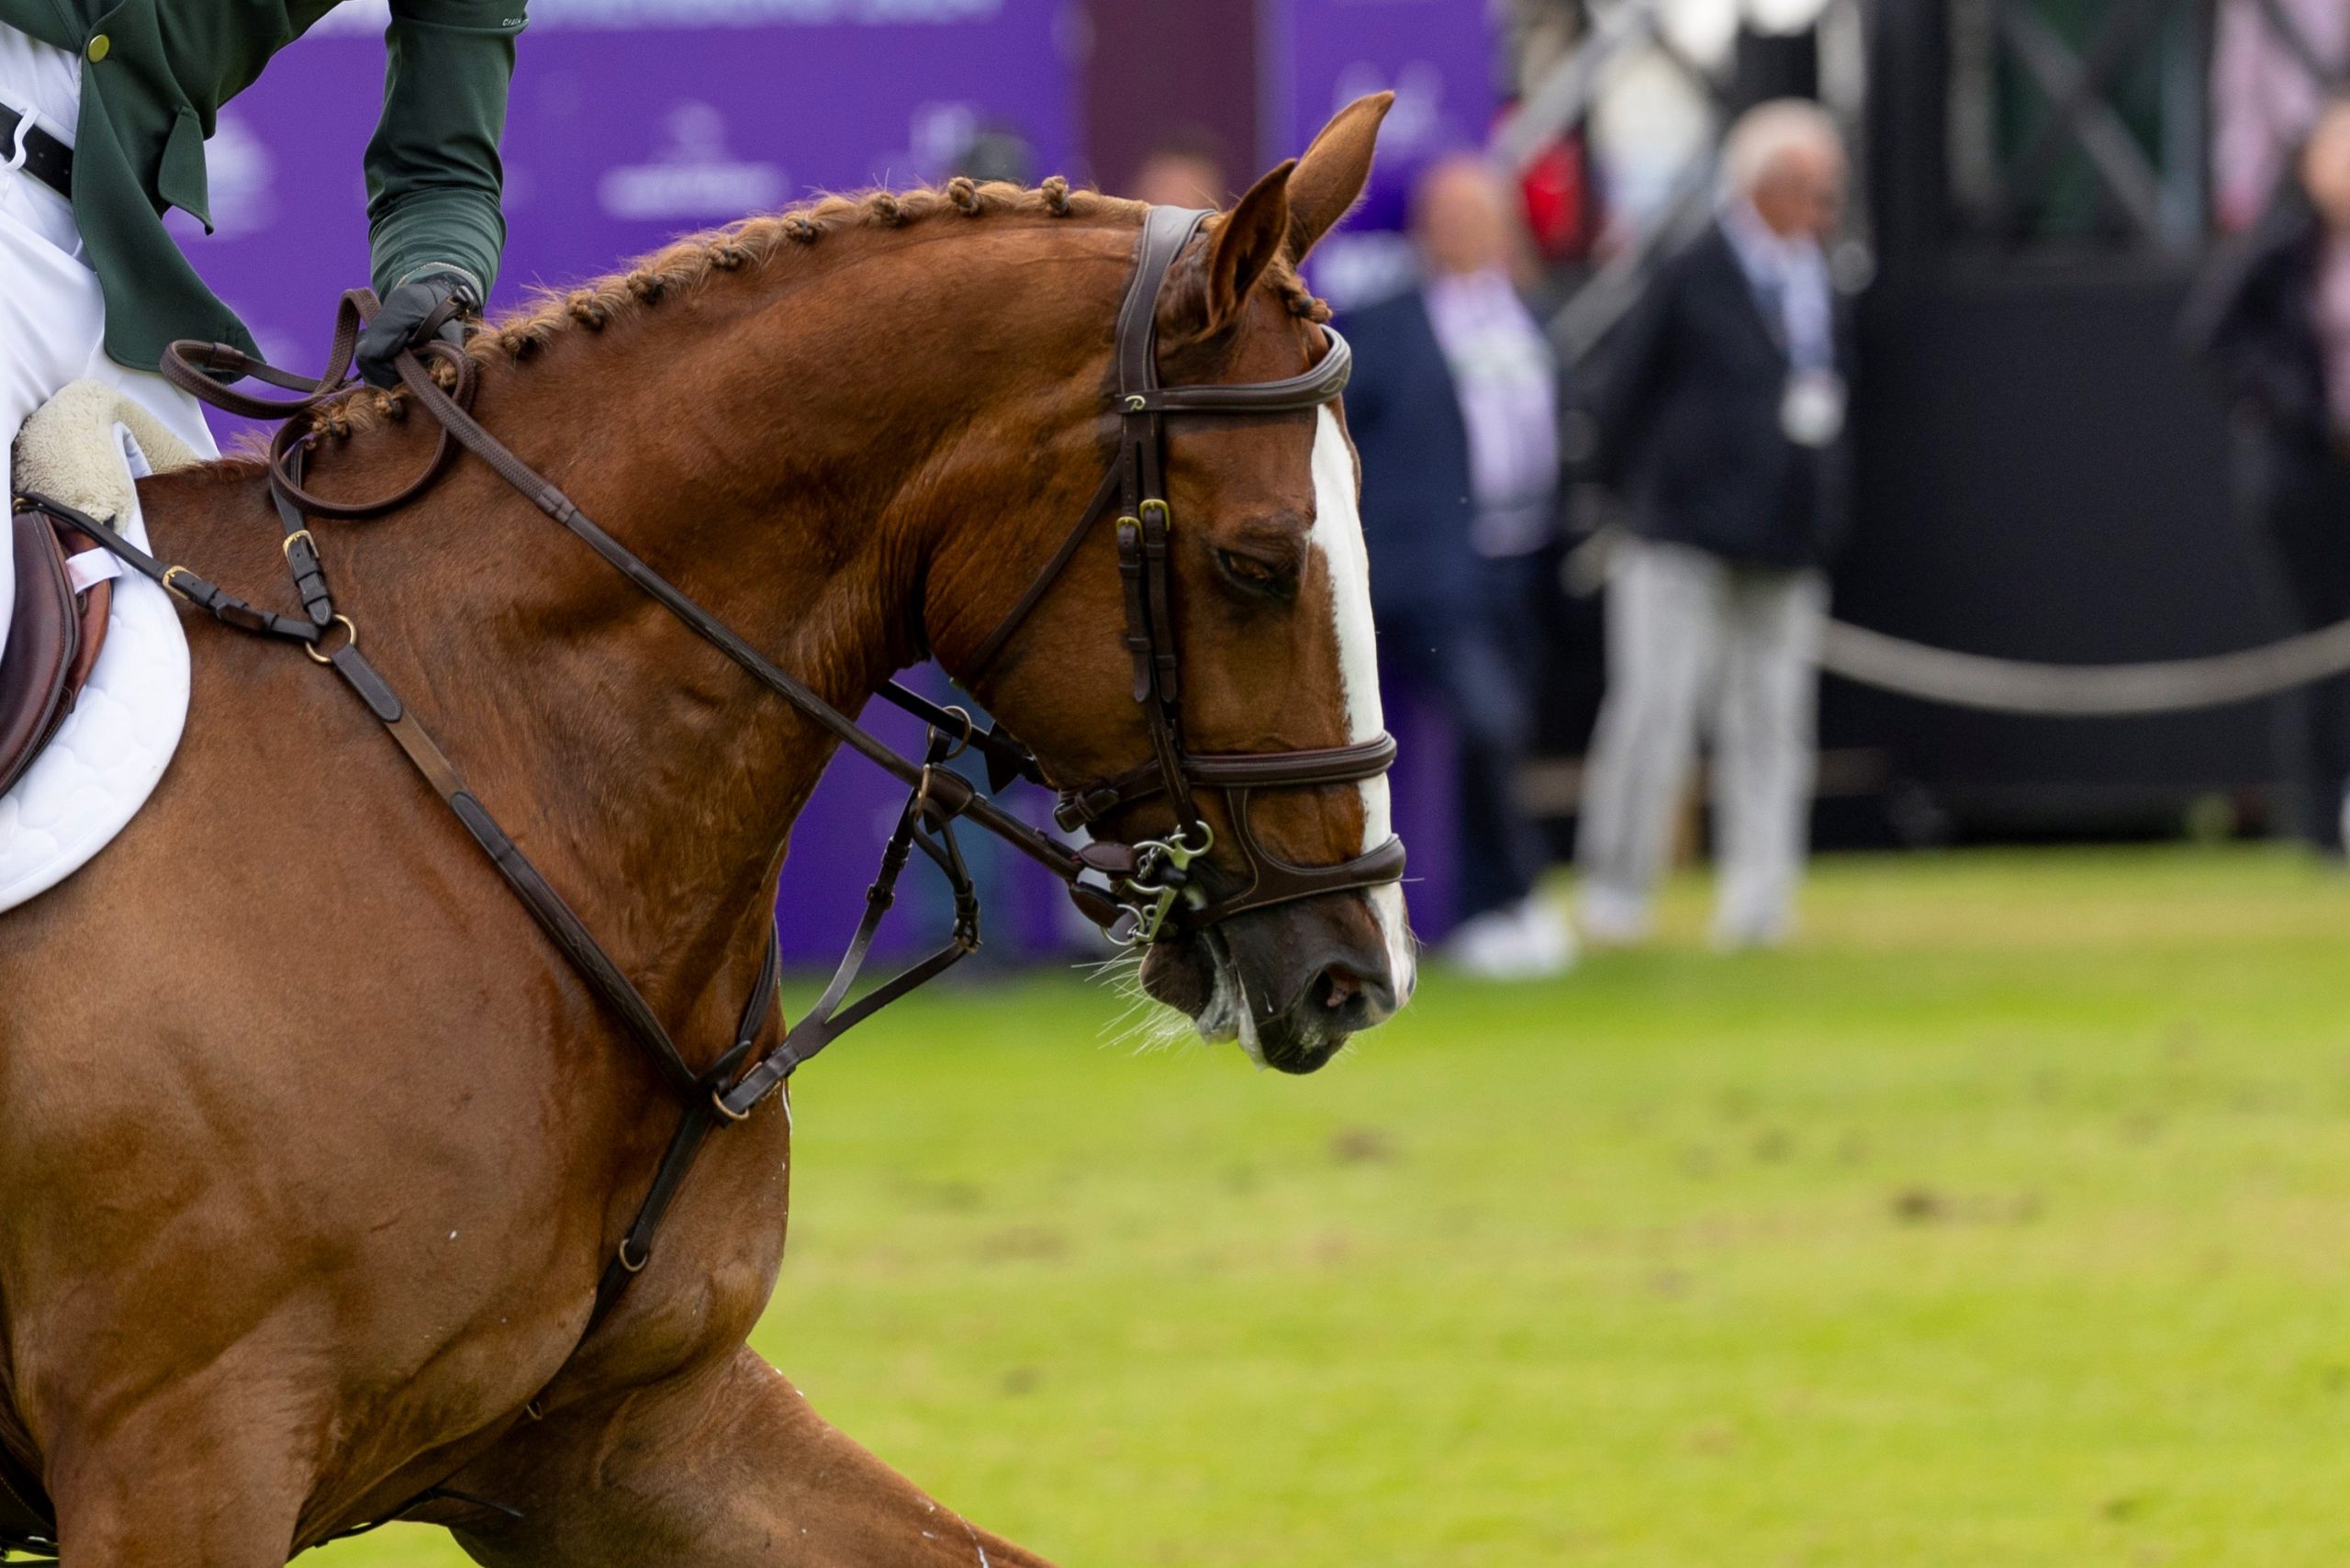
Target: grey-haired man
x=1719 y=410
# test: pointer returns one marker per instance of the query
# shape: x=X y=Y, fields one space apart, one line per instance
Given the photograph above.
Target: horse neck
x=798 y=492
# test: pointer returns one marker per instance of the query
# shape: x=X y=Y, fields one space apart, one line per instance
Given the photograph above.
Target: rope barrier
x=2083 y=691
x=2041 y=690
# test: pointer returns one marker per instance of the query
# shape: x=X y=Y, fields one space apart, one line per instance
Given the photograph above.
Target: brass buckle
x=634 y=1267
x=174 y=589
x=1166 y=513
x=348 y=631
x=286 y=549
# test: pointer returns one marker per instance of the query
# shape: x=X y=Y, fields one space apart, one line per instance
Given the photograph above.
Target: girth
x=1138 y=892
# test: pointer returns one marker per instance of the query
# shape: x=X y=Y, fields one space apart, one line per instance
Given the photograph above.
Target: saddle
x=54 y=636
x=94 y=674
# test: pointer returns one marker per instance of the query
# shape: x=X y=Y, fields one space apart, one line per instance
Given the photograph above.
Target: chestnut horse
x=313 y=1148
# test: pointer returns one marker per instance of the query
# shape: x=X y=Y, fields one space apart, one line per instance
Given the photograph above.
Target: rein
x=1138 y=892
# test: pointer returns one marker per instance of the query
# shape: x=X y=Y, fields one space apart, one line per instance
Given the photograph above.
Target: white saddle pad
x=110 y=752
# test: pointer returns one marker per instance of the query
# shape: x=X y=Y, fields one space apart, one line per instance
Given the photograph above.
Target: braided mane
x=689 y=263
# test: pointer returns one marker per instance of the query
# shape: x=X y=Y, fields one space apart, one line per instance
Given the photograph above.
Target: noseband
x=1154 y=892
x=1139 y=893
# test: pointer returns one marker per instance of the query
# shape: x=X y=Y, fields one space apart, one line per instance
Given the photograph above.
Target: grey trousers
x=1697 y=641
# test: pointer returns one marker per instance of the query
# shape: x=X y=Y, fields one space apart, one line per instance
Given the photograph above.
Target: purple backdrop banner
x=1438 y=56
x=620 y=138
x=626 y=128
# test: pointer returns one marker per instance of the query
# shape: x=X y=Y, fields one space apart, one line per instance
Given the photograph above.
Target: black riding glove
x=431 y=306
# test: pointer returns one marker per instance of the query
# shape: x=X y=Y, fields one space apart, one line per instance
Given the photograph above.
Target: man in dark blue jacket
x=1454 y=408
x=1720 y=415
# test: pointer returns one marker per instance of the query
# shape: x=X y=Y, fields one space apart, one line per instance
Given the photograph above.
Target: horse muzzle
x=1291 y=982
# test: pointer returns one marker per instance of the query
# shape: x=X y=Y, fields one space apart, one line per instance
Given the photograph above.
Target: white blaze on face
x=1337 y=534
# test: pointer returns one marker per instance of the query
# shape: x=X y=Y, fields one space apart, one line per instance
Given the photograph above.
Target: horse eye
x=1255 y=575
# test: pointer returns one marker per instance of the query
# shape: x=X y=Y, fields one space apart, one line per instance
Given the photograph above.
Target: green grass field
x=2006 y=1221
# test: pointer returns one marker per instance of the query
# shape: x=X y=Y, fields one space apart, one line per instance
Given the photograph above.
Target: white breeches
x=53 y=314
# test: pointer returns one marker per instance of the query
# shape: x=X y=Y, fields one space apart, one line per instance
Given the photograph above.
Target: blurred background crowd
x=2019 y=326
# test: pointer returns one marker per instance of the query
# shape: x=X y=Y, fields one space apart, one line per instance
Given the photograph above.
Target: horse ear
x=1331 y=176
x=1247 y=241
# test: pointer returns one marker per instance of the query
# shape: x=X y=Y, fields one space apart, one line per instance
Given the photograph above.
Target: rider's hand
x=433 y=304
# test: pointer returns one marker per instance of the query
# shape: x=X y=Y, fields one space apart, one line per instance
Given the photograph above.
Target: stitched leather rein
x=1138 y=892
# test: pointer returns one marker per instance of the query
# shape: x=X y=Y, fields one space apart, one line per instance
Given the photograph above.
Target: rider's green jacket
x=154 y=75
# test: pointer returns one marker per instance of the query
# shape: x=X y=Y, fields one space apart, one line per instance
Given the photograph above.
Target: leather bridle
x=1136 y=489
x=1139 y=892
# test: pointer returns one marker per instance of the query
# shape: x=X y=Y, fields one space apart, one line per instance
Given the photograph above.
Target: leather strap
x=1296 y=395
x=1331 y=764
x=223 y=606
x=47 y=159
x=555 y=917
x=920 y=825
x=696 y=1119
x=1272 y=880
x=1230 y=770
x=1007 y=759
x=201 y=369
x=1105 y=496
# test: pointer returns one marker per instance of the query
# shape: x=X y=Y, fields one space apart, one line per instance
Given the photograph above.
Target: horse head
x=1254 y=606
x=877 y=453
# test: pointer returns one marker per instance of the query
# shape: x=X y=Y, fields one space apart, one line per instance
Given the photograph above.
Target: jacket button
x=98 y=47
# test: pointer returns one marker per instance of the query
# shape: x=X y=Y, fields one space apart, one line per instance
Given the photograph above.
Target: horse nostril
x=1340 y=987
x=1343 y=988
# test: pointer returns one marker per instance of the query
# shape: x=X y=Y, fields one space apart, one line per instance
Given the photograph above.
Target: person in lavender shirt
x=1454 y=408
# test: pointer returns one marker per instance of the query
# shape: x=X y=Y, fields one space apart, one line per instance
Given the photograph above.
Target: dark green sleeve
x=433 y=176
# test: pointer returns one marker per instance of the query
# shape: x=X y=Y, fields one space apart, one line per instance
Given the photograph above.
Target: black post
x=1775 y=65
x=1909 y=132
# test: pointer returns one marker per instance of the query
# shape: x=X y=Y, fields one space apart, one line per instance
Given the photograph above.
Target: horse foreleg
x=727 y=1467
x=180 y=1482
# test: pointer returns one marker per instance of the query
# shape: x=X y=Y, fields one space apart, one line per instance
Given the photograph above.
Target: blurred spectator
x=1185 y=168
x=998 y=152
x=1720 y=414
x=1454 y=407
x=2273 y=319
x=2274 y=64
